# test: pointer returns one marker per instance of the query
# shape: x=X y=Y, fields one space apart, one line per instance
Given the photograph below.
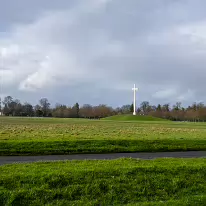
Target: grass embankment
x=112 y=182
x=133 y=118
x=33 y=136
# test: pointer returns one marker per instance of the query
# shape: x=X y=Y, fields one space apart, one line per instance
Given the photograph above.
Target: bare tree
x=145 y=107
x=45 y=106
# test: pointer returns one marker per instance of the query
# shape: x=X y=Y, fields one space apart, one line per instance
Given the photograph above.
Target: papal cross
x=134 y=102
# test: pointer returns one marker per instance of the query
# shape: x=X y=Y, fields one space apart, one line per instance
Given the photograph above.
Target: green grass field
x=35 y=136
x=128 y=182
x=106 y=182
x=133 y=118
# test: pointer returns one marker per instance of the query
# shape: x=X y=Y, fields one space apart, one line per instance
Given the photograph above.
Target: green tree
x=132 y=107
x=75 y=109
x=27 y=110
x=159 y=108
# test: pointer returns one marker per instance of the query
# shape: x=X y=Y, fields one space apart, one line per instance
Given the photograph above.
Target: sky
x=93 y=51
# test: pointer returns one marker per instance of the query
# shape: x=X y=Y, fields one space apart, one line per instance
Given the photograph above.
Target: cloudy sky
x=93 y=51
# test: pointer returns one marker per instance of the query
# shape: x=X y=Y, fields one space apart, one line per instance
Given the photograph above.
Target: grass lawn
x=105 y=182
x=38 y=136
x=133 y=118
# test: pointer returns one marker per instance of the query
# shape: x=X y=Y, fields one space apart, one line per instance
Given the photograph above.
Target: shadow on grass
x=99 y=146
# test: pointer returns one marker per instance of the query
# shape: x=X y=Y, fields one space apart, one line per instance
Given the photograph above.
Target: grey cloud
x=93 y=51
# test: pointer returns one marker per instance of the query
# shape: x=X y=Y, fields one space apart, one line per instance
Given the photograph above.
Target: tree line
x=13 y=107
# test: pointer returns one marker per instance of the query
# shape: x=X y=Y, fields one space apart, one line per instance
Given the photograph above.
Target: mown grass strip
x=114 y=182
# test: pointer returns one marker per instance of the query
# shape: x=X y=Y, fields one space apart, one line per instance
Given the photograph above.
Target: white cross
x=134 y=103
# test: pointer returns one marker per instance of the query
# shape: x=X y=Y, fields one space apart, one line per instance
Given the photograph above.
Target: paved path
x=14 y=159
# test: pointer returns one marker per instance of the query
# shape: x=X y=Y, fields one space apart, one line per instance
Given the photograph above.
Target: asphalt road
x=19 y=159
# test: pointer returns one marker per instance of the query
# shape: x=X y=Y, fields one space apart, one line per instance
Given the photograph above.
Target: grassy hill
x=133 y=118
